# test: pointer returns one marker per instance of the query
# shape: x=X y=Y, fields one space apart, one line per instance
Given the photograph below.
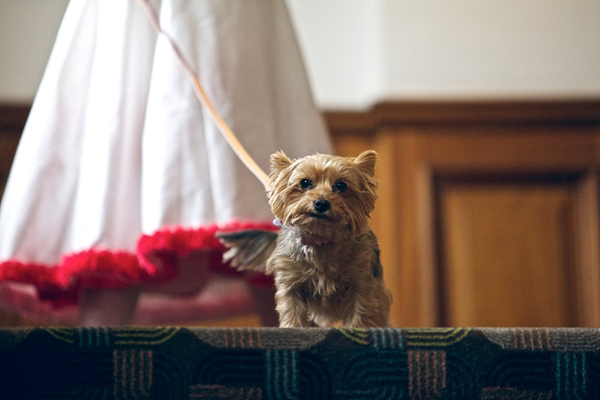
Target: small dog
x=325 y=258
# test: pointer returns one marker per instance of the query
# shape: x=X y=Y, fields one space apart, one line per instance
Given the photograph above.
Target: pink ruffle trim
x=155 y=262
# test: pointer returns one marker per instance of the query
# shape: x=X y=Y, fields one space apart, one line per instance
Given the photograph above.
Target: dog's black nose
x=321 y=205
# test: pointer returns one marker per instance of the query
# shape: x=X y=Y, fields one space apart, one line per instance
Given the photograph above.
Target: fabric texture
x=120 y=171
x=271 y=363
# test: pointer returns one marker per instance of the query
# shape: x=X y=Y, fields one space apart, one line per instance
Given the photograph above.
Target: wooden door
x=507 y=253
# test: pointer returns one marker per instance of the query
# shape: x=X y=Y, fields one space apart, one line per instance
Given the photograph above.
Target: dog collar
x=311 y=241
x=305 y=240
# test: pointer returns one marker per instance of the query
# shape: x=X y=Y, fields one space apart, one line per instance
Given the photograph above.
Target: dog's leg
x=292 y=309
x=369 y=310
x=321 y=321
x=366 y=320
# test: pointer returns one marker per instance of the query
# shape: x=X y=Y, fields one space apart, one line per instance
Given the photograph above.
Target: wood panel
x=12 y=121
x=507 y=251
x=527 y=166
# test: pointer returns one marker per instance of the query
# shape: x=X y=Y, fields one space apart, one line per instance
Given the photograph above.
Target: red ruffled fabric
x=43 y=277
x=155 y=262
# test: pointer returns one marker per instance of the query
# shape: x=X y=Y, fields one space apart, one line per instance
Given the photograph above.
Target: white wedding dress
x=119 y=165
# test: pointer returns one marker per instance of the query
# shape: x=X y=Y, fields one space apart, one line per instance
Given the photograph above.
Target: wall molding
x=398 y=113
x=518 y=112
x=13 y=117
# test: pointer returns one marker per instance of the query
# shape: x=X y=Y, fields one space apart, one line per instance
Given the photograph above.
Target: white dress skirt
x=120 y=171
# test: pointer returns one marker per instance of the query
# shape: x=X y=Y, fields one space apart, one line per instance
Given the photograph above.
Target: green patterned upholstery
x=271 y=363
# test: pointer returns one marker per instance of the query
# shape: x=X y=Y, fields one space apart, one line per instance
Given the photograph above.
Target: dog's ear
x=366 y=162
x=279 y=162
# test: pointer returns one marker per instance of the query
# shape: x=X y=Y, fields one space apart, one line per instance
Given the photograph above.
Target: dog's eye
x=306 y=184
x=340 y=187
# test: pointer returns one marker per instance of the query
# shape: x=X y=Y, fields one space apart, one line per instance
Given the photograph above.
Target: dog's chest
x=325 y=275
x=326 y=286
x=321 y=286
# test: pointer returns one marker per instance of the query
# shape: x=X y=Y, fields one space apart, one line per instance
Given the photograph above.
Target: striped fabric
x=271 y=363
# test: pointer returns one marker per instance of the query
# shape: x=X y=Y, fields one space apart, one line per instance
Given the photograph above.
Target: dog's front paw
x=294 y=324
x=293 y=312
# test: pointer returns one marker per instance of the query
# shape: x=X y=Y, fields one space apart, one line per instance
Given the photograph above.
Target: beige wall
x=360 y=51
x=27 y=32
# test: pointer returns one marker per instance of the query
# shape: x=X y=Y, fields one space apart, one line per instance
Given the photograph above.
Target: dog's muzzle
x=321 y=206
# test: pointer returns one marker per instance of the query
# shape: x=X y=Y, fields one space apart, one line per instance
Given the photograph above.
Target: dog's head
x=323 y=194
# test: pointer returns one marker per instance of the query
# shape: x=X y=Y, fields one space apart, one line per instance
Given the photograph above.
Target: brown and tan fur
x=326 y=258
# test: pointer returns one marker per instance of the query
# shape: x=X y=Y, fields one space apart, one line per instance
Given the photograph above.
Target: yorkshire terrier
x=325 y=258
